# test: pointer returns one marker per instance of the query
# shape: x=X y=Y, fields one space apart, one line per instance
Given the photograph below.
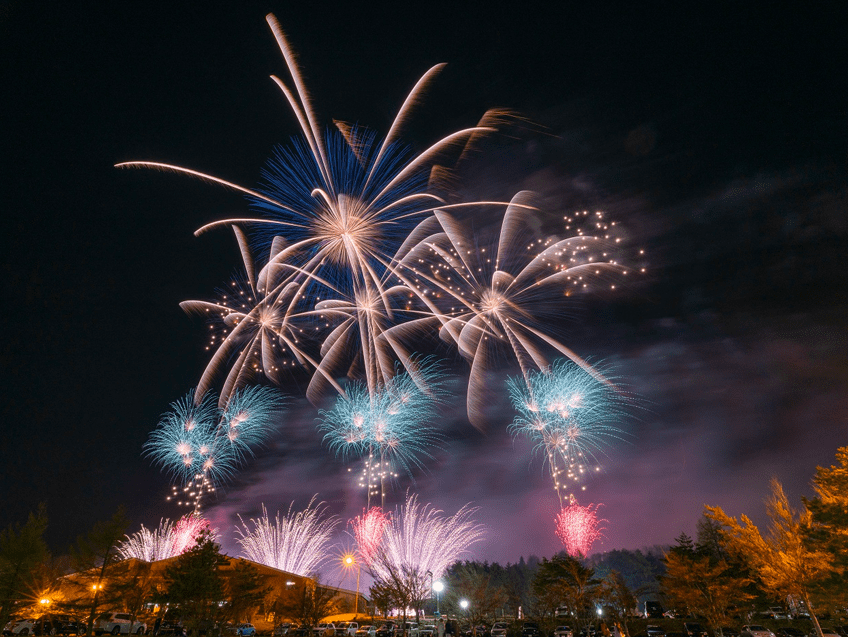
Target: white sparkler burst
x=297 y=543
x=422 y=539
x=168 y=540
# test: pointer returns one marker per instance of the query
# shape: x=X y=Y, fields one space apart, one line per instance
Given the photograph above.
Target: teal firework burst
x=199 y=443
x=570 y=414
x=391 y=427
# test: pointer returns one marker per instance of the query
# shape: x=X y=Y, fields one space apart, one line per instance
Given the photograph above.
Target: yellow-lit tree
x=703 y=586
x=829 y=533
x=782 y=559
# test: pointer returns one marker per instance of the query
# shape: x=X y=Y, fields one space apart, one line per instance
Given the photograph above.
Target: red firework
x=368 y=532
x=578 y=527
x=186 y=531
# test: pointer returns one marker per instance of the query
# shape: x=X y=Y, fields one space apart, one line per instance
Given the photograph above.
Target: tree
x=829 y=530
x=782 y=560
x=307 y=602
x=640 y=570
x=618 y=599
x=381 y=598
x=472 y=583
x=194 y=583
x=93 y=558
x=694 y=582
x=245 y=591
x=133 y=582
x=22 y=551
x=406 y=585
x=569 y=584
x=710 y=541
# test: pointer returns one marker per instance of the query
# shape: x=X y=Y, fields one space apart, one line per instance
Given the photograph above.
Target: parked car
x=826 y=632
x=282 y=630
x=694 y=629
x=386 y=630
x=563 y=631
x=788 y=631
x=411 y=629
x=729 y=631
x=118 y=624
x=755 y=630
x=346 y=629
x=58 y=625
x=245 y=630
x=368 y=630
x=654 y=631
x=19 y=627
x=427 y=630
x=499 y=629
x=530 y=629
x=324 y=630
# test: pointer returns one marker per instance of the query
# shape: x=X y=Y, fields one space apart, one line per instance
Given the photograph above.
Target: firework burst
x=502 y=298
x=201 y=445
x=297 y=543
x=570 y=415
x=578 y=527
x=388 y=427
x=166 y=541
x=368 y=531
x=422 y=539
x=343 y=201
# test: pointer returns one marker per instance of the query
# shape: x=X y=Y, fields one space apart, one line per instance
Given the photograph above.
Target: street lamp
x=438 y=587
x=349 y=560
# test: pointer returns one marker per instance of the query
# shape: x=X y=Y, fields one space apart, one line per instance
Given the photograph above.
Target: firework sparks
x=498 y=298
x=166 y=541
x=343 y=201
x=422 y=539
x=201 y=445
x=388 y=427
x=297 y=543
x=368 y=531
x=578 y=527
x=570 y=415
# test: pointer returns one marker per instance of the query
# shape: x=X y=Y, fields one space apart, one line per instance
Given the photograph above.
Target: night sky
x=715 y=136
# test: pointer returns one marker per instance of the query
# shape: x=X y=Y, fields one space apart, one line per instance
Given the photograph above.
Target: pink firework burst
x=185 y=533
x=578 y=527
x=368 y=532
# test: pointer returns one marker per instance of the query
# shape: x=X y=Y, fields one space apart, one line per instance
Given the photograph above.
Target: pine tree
x=829 y=530
x=22 y=551
x=195 y=584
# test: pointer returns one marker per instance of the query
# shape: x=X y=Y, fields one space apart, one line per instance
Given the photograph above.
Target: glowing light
x=578 y=527
x=297 y=543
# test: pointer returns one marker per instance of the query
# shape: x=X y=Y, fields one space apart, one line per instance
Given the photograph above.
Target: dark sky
x=715 y=135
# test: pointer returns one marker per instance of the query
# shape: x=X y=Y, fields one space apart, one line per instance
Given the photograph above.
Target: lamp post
x=438 y=587
x=348 y=561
